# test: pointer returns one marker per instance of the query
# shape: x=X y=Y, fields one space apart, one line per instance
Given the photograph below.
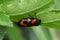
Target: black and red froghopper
x=27 y=22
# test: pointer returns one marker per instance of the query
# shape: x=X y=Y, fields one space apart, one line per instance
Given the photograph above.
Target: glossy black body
x=38 y=21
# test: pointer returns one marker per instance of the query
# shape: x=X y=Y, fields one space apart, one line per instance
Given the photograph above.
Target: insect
x=27 y=22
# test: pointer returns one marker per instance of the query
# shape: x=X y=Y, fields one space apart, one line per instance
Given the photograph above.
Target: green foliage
x=14 y=10
x=2 y=35
x=4 y=20
x=14 y=33
x=20 y=7
x=2 y=32
x=56 y=5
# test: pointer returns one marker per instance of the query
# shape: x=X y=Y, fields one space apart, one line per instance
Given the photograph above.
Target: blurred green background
x=48 y=11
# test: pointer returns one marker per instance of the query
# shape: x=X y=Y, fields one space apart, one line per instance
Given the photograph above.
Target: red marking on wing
x=22 y=23
x=33 y=21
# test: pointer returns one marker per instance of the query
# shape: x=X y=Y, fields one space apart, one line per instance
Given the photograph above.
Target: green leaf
x=20 y=7
x=4 y=1
x=14 y=33
x=49 y=16
x=50 y=19
x=56 y=6
x=38 y=31
x=32 y=34
x=53 y=34
x=19 y=17
x=32 y=13
x=2 y=35
x=45 y=8
x=4 y=20
x=55 y=24
x=2 y=32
